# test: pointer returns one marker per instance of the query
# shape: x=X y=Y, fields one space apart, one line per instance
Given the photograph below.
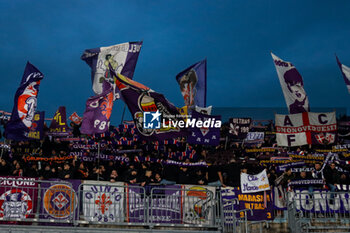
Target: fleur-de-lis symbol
x=104 y=202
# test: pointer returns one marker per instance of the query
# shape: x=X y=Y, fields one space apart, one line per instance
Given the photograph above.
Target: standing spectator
x=331 y=176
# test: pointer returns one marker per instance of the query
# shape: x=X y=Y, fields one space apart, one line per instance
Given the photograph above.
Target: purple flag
x=292 y=86
x=121 y=57
x=58 y=125
x=207 y=133
x=147 y=107
x=25 y=104
x=346 y=73
x=37 y=129
x=193 y=84
x=98 y=111
x=239 y=127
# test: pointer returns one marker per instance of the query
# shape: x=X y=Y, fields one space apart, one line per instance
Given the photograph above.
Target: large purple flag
x=98 y=111
x=147 y=107
x=122 y=57
x=25 y=104
x=37 y=129
x=58 y=125
x=292 y=86
x=193 y=84
x=206 y=133
x=345 y=70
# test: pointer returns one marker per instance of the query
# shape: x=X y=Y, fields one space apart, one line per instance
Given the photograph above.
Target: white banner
x=305 y=128
x=292 y=86
x=198 y=203
x=103 y=201
x=254 y=183
x=206 y=111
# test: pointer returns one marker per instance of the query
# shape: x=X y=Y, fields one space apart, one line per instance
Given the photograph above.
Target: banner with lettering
x=239 y=127
x=59 y=200
x=36 y=131
x=198 y=204
x=166 y=205
x=254 y=138
x=103 y=201
x=320 y=201
x=18 y=197
x=121 y=57
x=260 y=203
x=306 y=128
x=254 y=183
x=58 y=126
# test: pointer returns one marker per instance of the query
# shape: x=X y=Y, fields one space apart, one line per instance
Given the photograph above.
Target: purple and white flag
x=58 y=126
x=98 y=111
x=193 y=84
x=121 y=57
x=345 y=70
x=37 y=129
x=25 y=104
x=103 y=201
x=208 y=133
x=239 y=127
x=292 y=86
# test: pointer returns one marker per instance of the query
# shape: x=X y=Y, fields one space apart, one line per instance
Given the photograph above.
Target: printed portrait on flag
x=25 y=104
x=122 y=58
x=193 y=85
x=292 y=86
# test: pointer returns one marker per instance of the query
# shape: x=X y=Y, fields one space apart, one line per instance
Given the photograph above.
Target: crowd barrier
x=78 y=204
x=319 y=211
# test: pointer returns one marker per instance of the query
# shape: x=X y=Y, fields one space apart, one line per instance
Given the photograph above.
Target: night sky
x=236 y=37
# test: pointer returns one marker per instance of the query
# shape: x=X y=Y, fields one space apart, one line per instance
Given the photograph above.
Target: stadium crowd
x=215 y=166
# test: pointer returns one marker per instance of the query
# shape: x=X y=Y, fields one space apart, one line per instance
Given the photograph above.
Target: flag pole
x=121 y=122
x=98 y=159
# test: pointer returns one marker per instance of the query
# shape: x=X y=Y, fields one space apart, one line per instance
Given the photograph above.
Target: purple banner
x=25 y=104
x=345 y=70
x=239 y=127
x=208 y=134
x=193 y=84
x=58 y=126
x=98 y=111
x=59 y=199
x=253 y=201
x=37 y=129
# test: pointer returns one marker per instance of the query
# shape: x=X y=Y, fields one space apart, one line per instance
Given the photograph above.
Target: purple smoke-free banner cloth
x=193 y=84
x=121 y=57
x=98 y=111
x=292 y=86
x=24 y=104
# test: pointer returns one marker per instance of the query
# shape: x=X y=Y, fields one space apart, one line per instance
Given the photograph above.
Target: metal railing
x=319 y=211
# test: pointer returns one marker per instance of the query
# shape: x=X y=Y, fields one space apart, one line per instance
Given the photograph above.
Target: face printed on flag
x=292 y=86
x=193 y=84
x=25 y=104
x=122 y=58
